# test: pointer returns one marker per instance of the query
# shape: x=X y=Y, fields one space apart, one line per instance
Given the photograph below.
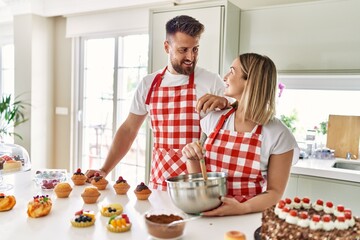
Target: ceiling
x=49 y=8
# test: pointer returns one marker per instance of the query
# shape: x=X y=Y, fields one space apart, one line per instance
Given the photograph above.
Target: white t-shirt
x=277 y=138
x=205 y=82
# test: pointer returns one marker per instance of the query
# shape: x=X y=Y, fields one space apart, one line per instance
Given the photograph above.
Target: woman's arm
x=277 y=178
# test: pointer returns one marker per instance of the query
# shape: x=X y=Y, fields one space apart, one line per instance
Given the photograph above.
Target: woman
x=249 y=143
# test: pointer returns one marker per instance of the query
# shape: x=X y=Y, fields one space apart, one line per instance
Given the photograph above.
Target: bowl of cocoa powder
x=158 y=221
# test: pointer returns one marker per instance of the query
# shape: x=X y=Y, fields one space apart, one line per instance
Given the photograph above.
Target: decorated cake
x=302 y=219
x=40 y=206
x=62 y=190
x=79 y=178
x=10 y=164
x=6 y=202
x=83 y=219
x=142 y=191
x=99 y=181
x=119 y=223
x=90 y=195
x=121 y=186
x=111 y=209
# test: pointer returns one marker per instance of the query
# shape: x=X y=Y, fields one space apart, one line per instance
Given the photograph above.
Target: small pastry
x=142 y=191
x=6 y=202
x=111 y=209
x=119 y=224
x=78 y=178
x=234 y=235
x=83 y=219
x=62 y=190
x=40 y=206
x=10 y=164
x=121 y=186
x=99 y=181
x=90 y=195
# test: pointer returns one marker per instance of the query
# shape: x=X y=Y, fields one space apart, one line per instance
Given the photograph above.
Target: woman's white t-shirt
x=205 y=82
x=277 y=138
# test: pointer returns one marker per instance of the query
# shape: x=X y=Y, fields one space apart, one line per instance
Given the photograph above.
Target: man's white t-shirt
x=205 y=82
x=277 y=138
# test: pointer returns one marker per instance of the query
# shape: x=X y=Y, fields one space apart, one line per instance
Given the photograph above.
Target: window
x=112 y=68
x=311 y=99
x=7 y=69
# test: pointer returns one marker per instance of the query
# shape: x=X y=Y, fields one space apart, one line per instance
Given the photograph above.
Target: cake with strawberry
x=83 y=218
x=121 y=186
x=302 y=219
x=119 y=223
x=10 y=164
x=78 y=177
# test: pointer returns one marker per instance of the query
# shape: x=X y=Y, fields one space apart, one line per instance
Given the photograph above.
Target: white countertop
x=16 y=225
x=323 y=168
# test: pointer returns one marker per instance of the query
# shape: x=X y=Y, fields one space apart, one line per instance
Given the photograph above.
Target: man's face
x=183 y=52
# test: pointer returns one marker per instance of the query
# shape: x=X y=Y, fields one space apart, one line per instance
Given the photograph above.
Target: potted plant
x=11 y=115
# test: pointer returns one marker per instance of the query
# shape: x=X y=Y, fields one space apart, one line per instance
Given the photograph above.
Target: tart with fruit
x=79 y=177
x=40 y=206
x=119 y=223
x=121 y=186
x=99 y=181
x=83 y=219
x=6 y=202
x=111 y=209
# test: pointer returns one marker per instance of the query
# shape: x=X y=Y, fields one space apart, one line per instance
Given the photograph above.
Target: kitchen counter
x=16 y=225
x=323 y=168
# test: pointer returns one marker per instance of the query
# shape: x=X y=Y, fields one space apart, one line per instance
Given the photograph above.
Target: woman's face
x=234 y=80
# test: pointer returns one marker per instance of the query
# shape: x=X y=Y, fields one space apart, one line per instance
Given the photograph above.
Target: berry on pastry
x=6 y=202
x=62 y=190
x=90 y=195
x=111 y=209
x=10 y=164
x=142 y=191
x=83 y=219
x=119 y=224
x=78 y=178
x=121 y=186
x=99 y=181
x=40 y=206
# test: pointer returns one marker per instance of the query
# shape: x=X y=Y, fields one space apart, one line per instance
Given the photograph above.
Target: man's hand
x=210 y=102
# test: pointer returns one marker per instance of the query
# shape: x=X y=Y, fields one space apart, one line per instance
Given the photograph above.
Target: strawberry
x=341 y=218
x=306 y=200
x=347 y=215
x=340 y=208
x=297 y=200
x=281 y=204
x=293 y=213
x=79 y=212
x=316 y=218
x=326 y=218
x=320 y=202
x=329 y=204
x=303 y=215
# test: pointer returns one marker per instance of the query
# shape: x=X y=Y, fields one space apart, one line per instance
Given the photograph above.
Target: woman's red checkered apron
x=174 y=123
x=238 y=154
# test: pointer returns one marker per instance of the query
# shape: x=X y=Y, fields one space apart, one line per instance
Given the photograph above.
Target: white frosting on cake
x=282 y=215
x=328 y=210
x=291 y=219
x=297 y=205
x=316 y=225
x=328 y=226
x=303 y=223
x=350 y=222
x=318 y=207
x=340 y=225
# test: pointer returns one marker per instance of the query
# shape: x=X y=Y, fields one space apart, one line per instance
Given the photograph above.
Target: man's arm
x=210 y=102
x=121 y=144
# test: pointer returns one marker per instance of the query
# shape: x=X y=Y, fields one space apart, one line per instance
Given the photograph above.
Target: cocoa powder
x=158 y=226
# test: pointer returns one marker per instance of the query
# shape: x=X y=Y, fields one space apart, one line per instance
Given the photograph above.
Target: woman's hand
x=91 y=173
x=193 y=151
x=229 y=206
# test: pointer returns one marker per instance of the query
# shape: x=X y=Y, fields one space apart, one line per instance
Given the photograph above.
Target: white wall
x=313 y=36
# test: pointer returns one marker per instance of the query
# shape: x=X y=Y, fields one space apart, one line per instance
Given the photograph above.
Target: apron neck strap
x=220 y=124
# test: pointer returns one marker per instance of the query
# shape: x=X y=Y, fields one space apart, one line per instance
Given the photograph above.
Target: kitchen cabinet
x=337 y=191
x=219 y=44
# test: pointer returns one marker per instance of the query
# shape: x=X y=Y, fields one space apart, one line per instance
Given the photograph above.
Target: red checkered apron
x=238 y=154
x=174 y=123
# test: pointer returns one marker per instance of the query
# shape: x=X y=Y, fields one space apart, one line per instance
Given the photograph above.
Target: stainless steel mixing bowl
x=193 y=195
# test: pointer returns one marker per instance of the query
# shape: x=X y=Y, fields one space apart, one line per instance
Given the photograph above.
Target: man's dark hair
x=184 y=24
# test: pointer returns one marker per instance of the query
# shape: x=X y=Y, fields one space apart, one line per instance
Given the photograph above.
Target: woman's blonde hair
x=258 y=98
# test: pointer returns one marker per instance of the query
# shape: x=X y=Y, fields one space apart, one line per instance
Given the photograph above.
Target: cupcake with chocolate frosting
x=142 y=191
x=78 y=178
x=121 y=186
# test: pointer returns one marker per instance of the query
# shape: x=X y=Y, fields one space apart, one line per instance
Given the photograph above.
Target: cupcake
x=234 y=235
x=90 y=195
x=40 y=206
x=121 y=186
x=83 y=219
x=111 y=209
x=78 y=177
x=62 y=190
x=119 y=224
x=99 y=181
x=142 y=192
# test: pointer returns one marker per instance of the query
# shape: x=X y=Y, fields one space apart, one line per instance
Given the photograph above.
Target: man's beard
x=183 y=70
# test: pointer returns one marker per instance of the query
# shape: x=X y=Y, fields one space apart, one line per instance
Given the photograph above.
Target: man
x=173 y=98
